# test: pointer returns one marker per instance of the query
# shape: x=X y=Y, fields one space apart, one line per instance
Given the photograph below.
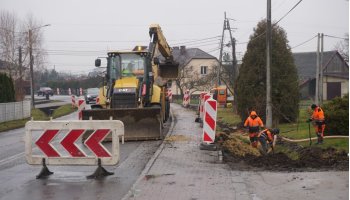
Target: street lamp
x=31 y=62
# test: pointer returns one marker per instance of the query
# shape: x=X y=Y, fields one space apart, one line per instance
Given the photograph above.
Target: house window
x=204 y=70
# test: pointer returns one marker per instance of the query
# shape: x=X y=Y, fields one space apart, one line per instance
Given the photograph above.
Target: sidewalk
x=180 y=170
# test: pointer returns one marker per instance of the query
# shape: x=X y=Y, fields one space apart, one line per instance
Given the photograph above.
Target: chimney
x=182 y=50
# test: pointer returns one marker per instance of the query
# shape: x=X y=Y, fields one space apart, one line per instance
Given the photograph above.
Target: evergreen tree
x=251 y=82
x=7 y=90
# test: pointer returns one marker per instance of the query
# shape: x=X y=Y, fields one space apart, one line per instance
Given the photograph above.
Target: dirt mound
x=316 y=157
x=238 y=148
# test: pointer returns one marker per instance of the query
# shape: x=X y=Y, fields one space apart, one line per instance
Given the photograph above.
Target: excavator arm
x=169 y=68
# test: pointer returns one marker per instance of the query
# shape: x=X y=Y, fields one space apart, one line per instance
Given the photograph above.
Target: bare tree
x=343 y=47
x=194 y=81
x=9 y=42
x=39 y=52
x=14 y=37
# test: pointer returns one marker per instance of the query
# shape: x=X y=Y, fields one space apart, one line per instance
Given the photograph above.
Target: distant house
x=4 y=67
x=195 y=64
x=335 y=74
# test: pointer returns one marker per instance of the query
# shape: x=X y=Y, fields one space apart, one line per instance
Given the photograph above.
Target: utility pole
x=20 y=70
x=317 y=95
x=233 y=45
x=321 y=72
x=220 y=55
x=268 y=64
x=31 y=62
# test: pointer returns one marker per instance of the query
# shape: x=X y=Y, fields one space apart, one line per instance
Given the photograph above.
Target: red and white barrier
x=205 y=98
x=42 y=138
x=209 y=121
x=170 y=95
x=73 y=101
x=81 y=91
x=186 y=99
x=81 y=107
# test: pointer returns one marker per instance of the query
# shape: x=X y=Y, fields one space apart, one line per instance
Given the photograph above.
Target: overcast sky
x=82 y=30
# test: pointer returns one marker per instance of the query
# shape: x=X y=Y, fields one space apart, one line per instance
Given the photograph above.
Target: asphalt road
x=18 y=179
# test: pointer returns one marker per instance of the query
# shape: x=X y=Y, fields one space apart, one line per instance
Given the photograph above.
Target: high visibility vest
x=318 y=114
x=253 y=124
x=266 y=134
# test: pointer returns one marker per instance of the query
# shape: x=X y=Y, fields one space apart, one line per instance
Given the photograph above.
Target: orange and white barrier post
x=81 y=107
x=209 y=121
x=73 y=101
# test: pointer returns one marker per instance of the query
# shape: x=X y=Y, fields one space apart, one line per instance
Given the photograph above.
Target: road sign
x=45 y=136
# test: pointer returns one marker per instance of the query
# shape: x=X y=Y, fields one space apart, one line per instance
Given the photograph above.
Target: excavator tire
x=139 y=123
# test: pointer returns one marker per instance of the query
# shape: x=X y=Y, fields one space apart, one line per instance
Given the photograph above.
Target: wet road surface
x=18 y=179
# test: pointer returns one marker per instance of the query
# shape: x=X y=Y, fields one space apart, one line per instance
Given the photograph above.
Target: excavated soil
x=241 y=156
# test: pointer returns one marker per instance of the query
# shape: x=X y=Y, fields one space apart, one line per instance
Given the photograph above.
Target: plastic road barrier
x=209 y=121
x=58 y=142
x=81 y=107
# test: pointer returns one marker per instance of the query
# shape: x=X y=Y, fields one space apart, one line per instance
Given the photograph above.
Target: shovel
x=310 y=135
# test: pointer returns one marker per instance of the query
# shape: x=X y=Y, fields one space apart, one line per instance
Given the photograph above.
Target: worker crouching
x=253 y=123
x=267 y=139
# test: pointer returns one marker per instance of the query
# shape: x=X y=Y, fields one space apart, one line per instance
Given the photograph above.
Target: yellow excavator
x=135 y=88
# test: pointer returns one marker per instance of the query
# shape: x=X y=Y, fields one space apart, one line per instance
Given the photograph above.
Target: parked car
x=91 y=95
x=45 y=90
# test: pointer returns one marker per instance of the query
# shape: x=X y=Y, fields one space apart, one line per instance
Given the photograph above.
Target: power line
x=275 y=22
x=194 y=41
x=96 y=41
x=304 y=42
x=336 y=37
x=289 y=11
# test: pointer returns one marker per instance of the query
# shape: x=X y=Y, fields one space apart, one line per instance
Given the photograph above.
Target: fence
x=14 y=110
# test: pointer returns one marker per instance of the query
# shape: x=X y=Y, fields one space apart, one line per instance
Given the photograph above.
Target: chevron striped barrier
x=209 y=121
x=59 y=143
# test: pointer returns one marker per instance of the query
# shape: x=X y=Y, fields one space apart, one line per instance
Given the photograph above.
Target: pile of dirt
x=238 y=148
x=329 y=158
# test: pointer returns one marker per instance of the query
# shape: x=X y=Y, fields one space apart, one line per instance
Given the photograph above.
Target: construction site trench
x=294 y=158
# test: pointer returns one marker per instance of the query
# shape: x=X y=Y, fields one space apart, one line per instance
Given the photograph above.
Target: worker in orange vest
x=267 y=138
x=318 y=120
x=253 y=123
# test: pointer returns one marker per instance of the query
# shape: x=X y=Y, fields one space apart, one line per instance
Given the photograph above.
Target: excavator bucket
x=139 y=123
x=169 y=70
